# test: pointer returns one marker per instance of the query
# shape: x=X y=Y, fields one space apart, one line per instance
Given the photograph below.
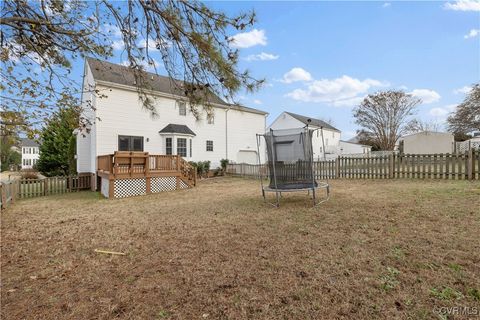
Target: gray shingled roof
x=115 y=73
x=25 y=142
x=177 y=128
x=313 y=122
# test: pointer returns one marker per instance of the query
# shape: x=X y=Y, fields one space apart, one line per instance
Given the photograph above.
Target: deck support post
x=148 y=189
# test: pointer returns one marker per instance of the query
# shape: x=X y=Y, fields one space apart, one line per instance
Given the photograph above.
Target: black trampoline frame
x=314 y=186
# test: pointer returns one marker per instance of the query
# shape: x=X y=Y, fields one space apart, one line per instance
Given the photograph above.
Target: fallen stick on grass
x=110 y=252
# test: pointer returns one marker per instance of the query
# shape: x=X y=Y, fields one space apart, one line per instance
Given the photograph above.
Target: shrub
x=202 y=167
x=223 y=164
x=29 y=174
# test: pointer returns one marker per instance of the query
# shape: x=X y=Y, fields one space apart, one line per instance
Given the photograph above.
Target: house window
x=130 y=143
x=210 y=118
x=182 y=108
x=190 y=147
x=168 y=146
x=209 y=145
x=182 y=147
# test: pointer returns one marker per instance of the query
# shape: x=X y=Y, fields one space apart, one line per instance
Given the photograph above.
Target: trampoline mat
x=294 y=185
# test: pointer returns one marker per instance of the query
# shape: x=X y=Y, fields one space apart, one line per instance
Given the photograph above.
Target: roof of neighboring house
x=177 y=128
x=25 y=142
x=427 y=133
x=358 y=144
x=314 y=122
x=355 y=139
x=120 y=74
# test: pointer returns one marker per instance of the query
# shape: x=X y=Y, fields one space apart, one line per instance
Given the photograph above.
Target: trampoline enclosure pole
x=260 y=165
x=273 y=166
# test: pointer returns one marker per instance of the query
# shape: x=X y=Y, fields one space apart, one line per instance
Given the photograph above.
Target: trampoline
x=290 y=163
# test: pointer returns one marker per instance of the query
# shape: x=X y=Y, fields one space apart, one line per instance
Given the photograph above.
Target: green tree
x=42 y=39
x=57 y=150
x=7 y=154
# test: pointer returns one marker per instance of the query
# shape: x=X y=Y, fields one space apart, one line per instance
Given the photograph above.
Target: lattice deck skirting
x=129 y=187
x=159 y=184
x=135 y=187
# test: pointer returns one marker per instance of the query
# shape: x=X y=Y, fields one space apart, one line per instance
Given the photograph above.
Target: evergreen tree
x=57 y=150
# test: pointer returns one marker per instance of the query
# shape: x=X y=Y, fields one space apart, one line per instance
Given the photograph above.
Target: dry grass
x=377 y=249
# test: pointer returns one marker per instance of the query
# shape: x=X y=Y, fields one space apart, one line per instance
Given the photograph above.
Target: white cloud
x=256 y=101
x=472 y=34
x=441 y=112
x=262 y=57
x=296 y=74
x=438 y=112
x=249 y=39
x=152 y=43
x=343 y=91
x=463 y=90
x=117 y=45
x=386 y=5
x=427 y=96
x=463 y=5
x=112 y=30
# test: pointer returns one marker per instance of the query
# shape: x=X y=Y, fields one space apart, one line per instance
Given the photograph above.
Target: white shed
x=427 y=142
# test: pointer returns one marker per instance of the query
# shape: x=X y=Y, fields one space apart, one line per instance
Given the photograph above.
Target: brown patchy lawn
x=377 y=249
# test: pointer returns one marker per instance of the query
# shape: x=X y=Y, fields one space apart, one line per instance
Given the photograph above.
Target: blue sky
x=321 y=58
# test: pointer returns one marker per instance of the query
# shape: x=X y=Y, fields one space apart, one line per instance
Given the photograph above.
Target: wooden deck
x=136 y=165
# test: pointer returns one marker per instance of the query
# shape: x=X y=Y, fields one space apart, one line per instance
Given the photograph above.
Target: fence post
x=471 y=164
x=93 y=182
x=3 y=193
x=337 y=168
x=45 y=186
x=391 y=165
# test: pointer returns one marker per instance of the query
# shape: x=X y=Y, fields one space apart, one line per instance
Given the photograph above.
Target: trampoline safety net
x=290 y=157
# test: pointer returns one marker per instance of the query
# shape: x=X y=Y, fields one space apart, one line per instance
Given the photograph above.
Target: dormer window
x=182 y=108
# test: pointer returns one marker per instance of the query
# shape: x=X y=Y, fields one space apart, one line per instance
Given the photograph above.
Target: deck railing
x=125 y=164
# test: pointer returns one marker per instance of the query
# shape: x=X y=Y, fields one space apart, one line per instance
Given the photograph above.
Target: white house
x=331 y=135
x=348 y=147
x=427 y=142
x=119 y=122
x=30 y=153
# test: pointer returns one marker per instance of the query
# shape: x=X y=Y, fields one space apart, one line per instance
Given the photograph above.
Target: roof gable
x=313 y=122
x=25 y=142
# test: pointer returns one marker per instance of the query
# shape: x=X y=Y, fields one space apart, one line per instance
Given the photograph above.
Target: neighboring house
x=347 y=147
x=472 y=143
x=30 y=153
x=331 y=135
x=119 y=122
x=427 y=142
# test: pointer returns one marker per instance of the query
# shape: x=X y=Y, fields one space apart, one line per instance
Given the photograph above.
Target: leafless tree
x=384 y=116
x=417 y=125
x=466 y=118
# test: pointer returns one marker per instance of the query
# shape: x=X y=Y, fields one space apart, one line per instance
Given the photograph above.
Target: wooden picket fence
x=30 y=188
x=464 y=166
